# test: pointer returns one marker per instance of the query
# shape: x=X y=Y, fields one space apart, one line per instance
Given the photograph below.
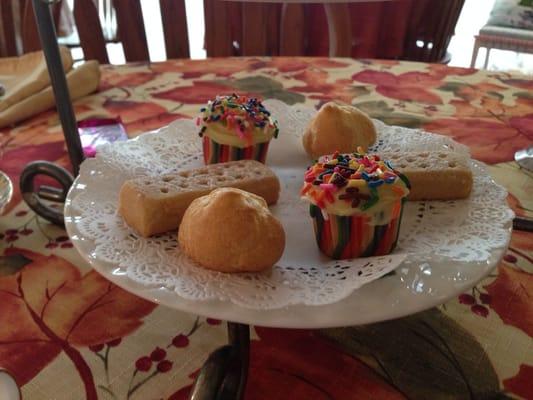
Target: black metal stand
x=224 y=374
x=47 y=34
x=34 y=196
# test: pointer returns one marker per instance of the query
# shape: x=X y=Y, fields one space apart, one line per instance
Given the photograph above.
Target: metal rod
x=239 y=339
x=225 y=372
x=211 y=375
x=523 y=224
x=51 y=193
x=47 y=33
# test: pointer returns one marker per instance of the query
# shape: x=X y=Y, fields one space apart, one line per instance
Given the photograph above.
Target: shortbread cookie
x=434 y=175
x=339 y=128
x=230 y=230
x=156 y=205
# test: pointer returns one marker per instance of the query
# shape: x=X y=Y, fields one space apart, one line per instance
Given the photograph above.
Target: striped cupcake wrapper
x=218 y=153
x=341 y=237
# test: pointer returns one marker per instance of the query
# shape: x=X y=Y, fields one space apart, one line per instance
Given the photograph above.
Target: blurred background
x=370 y=23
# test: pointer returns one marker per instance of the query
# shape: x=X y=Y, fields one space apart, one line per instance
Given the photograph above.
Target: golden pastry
x=338 y=128
x=230 y=230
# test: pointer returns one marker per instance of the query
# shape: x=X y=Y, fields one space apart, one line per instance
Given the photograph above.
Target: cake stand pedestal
x=224 y=374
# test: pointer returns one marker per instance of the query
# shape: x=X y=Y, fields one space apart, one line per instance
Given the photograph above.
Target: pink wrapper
x=97 y=131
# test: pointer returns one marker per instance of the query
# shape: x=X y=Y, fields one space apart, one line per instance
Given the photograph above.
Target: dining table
x=68 y=333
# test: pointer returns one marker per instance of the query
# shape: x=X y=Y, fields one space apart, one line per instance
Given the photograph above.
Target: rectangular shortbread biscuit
x=156 y=205
x=434 y=175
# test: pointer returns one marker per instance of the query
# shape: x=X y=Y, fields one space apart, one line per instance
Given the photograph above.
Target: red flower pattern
x=199 y=93
x=487 y=139
x=522 y=383
x=409 y=86
x=513 y=286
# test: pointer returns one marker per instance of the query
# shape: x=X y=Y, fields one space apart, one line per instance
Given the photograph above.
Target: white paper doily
x=458 y=231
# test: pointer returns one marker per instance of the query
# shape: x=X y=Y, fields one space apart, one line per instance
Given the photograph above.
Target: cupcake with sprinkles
x=356 y=204
x=236 y=128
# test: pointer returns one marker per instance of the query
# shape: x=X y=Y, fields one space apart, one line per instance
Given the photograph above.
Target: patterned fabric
x=67 y=333
x=512 y=13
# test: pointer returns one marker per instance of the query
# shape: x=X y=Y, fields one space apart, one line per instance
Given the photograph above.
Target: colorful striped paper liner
x=342 y=237
x=218 y=153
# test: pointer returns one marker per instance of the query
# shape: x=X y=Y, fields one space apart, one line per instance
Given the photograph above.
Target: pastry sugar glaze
x=356 y=204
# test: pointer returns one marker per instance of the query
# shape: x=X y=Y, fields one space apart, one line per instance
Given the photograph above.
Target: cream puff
x=340 y=128
x=230 y=230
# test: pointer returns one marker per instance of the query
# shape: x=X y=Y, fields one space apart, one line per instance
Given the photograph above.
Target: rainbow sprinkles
x=241 y=115
x=356 y=181
x=356 y=204
x=235 y=128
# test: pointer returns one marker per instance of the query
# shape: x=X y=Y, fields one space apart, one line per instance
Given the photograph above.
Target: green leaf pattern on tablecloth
x=11 y=264
x=266 y=87
x=380 y=110
x=427 y=355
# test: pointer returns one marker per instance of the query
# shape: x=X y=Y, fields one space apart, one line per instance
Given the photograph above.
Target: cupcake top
x=356 y=183
x=238 y=121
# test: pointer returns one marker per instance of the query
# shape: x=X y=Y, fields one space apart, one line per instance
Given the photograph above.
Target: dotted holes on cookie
x=168 y=178
x=452 y=164
x=184 y=174
x=164 y=190
x=424 y=155
x=442 y=155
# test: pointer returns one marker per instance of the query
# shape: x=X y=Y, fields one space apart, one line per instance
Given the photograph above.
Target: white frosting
x=222 y=135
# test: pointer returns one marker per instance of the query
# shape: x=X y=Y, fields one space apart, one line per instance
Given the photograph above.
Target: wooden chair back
x=431 y=29
x=130 y=28
x=408 y=29
x=18 y=31
x=9 y=45
x=253 y=29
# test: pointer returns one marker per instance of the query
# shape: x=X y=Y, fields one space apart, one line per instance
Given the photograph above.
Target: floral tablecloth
x=67 y=333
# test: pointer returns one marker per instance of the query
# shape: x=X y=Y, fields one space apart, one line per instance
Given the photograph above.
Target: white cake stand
x=413 y=287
